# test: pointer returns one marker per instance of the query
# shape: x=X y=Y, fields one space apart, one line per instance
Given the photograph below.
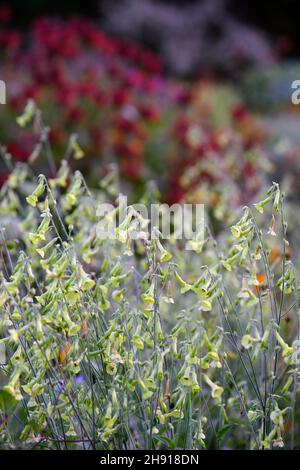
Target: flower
x=216 y=390
x=271 y=230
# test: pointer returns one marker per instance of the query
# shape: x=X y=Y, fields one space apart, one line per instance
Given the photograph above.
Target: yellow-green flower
x=111 y=368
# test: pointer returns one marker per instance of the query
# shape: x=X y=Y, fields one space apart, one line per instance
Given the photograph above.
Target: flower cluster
x=127 y=344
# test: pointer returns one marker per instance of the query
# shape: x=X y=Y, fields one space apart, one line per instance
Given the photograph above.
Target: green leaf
x=166 y=441
x=223 y=431
x=7 y=403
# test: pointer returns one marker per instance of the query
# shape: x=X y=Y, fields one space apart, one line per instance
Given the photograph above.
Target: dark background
x=279 y=19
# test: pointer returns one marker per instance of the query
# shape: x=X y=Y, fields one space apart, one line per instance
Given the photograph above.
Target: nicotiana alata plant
x=130 y=344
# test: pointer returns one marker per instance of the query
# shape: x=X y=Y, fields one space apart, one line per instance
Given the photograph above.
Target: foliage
x=121 y=344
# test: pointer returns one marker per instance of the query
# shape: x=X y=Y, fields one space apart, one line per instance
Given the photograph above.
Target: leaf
x=7 y=403
x=166 y=441
x=223 y=431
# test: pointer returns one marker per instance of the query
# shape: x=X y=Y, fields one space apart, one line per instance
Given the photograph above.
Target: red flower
x=10 y=40
x=239 y=113
x=131 y=169
x=150 y=113
x=120 y=97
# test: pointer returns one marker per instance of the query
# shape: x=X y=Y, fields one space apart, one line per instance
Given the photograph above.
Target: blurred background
x=195 y=95
x=259 y=29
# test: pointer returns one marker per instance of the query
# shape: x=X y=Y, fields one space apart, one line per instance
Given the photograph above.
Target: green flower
x=111 y=368
x=138 y=342
x=248 y=342
x=28 y=114
x=216 y=390
x=148 y=297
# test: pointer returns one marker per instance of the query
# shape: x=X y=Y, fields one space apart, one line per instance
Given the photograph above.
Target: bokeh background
x=195 y=95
